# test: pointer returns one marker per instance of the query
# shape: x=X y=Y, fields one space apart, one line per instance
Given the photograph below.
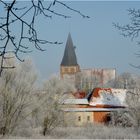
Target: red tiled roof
x=95 y=92
x=79 y=94
x=107 y=97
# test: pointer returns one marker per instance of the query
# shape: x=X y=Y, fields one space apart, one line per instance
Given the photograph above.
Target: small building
x=94 y=108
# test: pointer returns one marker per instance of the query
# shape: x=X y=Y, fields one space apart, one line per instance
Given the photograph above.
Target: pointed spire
x=69 y=58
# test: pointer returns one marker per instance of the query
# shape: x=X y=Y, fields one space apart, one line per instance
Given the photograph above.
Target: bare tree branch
x=27 y=31
x=132 y=29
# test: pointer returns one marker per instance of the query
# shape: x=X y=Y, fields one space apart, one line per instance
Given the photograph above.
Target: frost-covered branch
x=132 y=29
x=15 y=16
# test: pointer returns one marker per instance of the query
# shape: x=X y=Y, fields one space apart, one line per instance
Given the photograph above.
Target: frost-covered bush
x=121 y=118
x=94 y=132
x=16 y=88
x=133 y=101
x=49 y=114
x=90 y=132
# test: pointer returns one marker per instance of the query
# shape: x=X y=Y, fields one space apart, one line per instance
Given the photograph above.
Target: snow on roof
x=76 y=101
x=91 y=109
x=114 y=97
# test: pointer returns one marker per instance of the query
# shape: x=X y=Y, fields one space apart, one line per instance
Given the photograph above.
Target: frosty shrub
x=121 y=119
x=94 y=132
x=16 y=88
x=133 y=101
x=90 y=132
x=50 y=115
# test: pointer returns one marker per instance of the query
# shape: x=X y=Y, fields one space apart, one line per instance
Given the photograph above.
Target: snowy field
x=89 y=132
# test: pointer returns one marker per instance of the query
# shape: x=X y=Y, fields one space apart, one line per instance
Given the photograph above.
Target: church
x=83 y=78
x=92 y=102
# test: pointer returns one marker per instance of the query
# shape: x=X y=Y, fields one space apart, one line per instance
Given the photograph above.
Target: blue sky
x=98 y=43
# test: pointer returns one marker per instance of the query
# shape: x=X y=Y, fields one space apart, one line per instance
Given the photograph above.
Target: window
x=88 y=118
x=79 y=118
x=72 y=70
x=66 y=69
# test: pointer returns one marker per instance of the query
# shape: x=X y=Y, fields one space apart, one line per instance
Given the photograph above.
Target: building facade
x=83 y=78
x=82 y=108
x=94 y=108
x=93 y=77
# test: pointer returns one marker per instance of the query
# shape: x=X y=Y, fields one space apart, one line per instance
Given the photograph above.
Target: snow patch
x=114 y=98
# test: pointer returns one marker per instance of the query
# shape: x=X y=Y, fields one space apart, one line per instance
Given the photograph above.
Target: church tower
x=69 y=66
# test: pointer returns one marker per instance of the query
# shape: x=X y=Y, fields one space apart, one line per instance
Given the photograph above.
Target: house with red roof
x=95 y=107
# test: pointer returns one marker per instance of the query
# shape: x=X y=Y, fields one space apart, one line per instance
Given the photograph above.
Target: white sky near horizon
x=98 y=43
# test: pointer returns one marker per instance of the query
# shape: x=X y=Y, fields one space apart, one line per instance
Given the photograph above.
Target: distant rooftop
x=69 y=58
x=76 y=101
x=91 y=109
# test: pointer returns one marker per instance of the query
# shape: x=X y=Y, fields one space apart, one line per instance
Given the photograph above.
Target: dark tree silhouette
x=132 y=29
x=15 y=44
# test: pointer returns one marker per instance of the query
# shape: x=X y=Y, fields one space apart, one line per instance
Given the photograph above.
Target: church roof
x=69 y=58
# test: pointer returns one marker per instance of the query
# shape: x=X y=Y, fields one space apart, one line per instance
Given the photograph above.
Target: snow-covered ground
x=88 y=132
